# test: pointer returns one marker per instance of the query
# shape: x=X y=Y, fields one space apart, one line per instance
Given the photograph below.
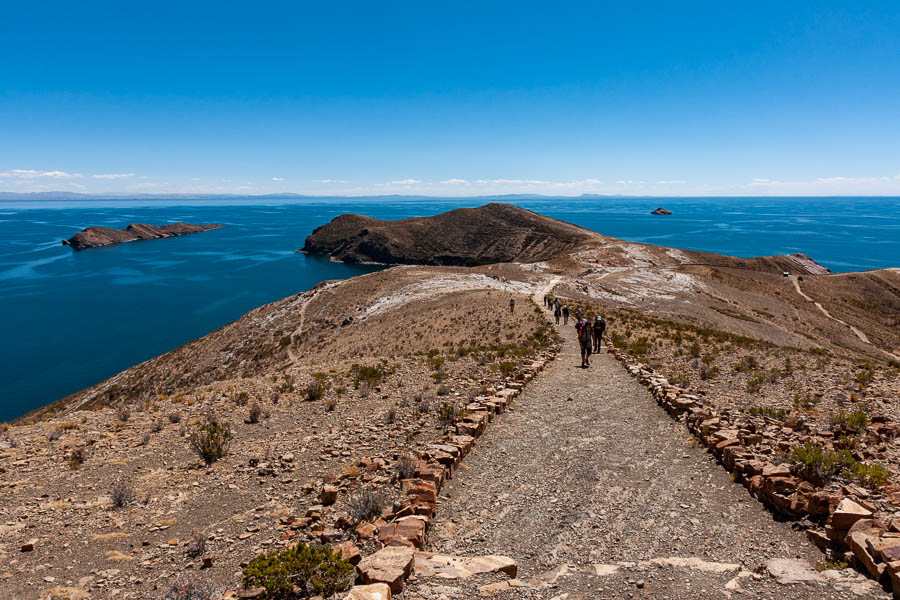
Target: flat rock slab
x=446 y=566
x=791 y=570
x=390 y=565
x=847 y=513
x=375 y=591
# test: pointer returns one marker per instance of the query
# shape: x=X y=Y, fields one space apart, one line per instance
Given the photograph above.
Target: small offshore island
x=97 y=236
x=661 y=211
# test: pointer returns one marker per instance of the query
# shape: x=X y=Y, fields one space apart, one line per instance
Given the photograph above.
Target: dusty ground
x=442 y=348
x=605 y=478
x=595 y=492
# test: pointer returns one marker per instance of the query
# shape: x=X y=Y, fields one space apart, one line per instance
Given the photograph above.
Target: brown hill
x=94 y=237
x=465 y=237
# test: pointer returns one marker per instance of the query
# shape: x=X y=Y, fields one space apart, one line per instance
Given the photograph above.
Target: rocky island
x=661 y=211
x=719 y=393
x=97 y=236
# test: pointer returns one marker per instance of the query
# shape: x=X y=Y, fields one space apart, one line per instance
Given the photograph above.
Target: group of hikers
x=590 y=331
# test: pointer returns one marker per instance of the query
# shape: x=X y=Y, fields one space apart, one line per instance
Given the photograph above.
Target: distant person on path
x=577 y=313
x=583 y=327
x=598 y=329
x=557 y=312
x=565 y=312
x=512 y=305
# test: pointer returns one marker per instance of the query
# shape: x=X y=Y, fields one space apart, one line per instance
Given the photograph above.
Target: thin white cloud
x=850 y=179
x=59 y=174
x=34 y=174
x=454 y=181
x=406 y=182
x=278 y=179
x=671 y=181
x=112 y=176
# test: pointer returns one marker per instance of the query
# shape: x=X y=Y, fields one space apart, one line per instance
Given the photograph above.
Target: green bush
x=747 y=364
x=831 y=464
x=311 y=570
x=823 y=462
x=210 y=441
x=446 y=414
x=768 y=411
x=370 y=375
x=870 y=476
x=854 y=421
x=507 y=368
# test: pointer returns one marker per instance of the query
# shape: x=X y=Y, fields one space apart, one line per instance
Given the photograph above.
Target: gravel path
x=585 y=473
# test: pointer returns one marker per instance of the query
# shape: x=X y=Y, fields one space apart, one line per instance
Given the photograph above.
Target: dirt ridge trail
x=596 y=493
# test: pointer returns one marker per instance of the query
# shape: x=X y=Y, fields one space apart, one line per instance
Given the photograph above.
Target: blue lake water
x=71 y=319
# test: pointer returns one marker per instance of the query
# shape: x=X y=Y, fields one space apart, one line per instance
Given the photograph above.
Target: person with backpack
x=583 y=327
x=557 y=312
x=512 y=305
x=577 y=313
x=565 y=313
x=598 y=329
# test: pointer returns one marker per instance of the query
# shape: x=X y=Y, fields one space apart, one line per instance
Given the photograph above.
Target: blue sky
x=463 y=98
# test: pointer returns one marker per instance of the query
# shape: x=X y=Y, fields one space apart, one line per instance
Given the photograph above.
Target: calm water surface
x=71 y=319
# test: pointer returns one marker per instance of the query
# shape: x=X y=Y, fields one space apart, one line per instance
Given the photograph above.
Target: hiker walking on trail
x=512 y=305
x=565 y=313
x=583 y=327
x=577 y=313
x=557 y=312
x=598 y=329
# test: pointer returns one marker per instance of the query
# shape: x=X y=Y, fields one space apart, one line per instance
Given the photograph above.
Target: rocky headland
x=494 y=233
x=97 y=236
x=450 y=448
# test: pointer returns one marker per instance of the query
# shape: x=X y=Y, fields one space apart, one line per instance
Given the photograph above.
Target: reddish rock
x=328 y=496
x=859 y=545
x=408 y=531
x=847 y=513
x=776 y=471
x=375 y=591
x=390 y=565
x=417 y=489
x=349 y=552
x=365 y=530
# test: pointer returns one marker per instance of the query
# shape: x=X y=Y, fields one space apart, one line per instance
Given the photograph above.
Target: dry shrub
x=122 y=493
x=367 y=504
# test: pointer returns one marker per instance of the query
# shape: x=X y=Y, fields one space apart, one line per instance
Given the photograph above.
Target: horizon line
x=67 y=195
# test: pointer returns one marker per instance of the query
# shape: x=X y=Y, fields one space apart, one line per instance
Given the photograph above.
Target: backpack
x=584 y=330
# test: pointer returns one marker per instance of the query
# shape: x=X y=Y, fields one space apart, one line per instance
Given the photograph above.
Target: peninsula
x=346 y=415
x=95 y=237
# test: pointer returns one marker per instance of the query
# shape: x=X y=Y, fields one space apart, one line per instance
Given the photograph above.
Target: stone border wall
x=859 y=525
x=400 y=536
